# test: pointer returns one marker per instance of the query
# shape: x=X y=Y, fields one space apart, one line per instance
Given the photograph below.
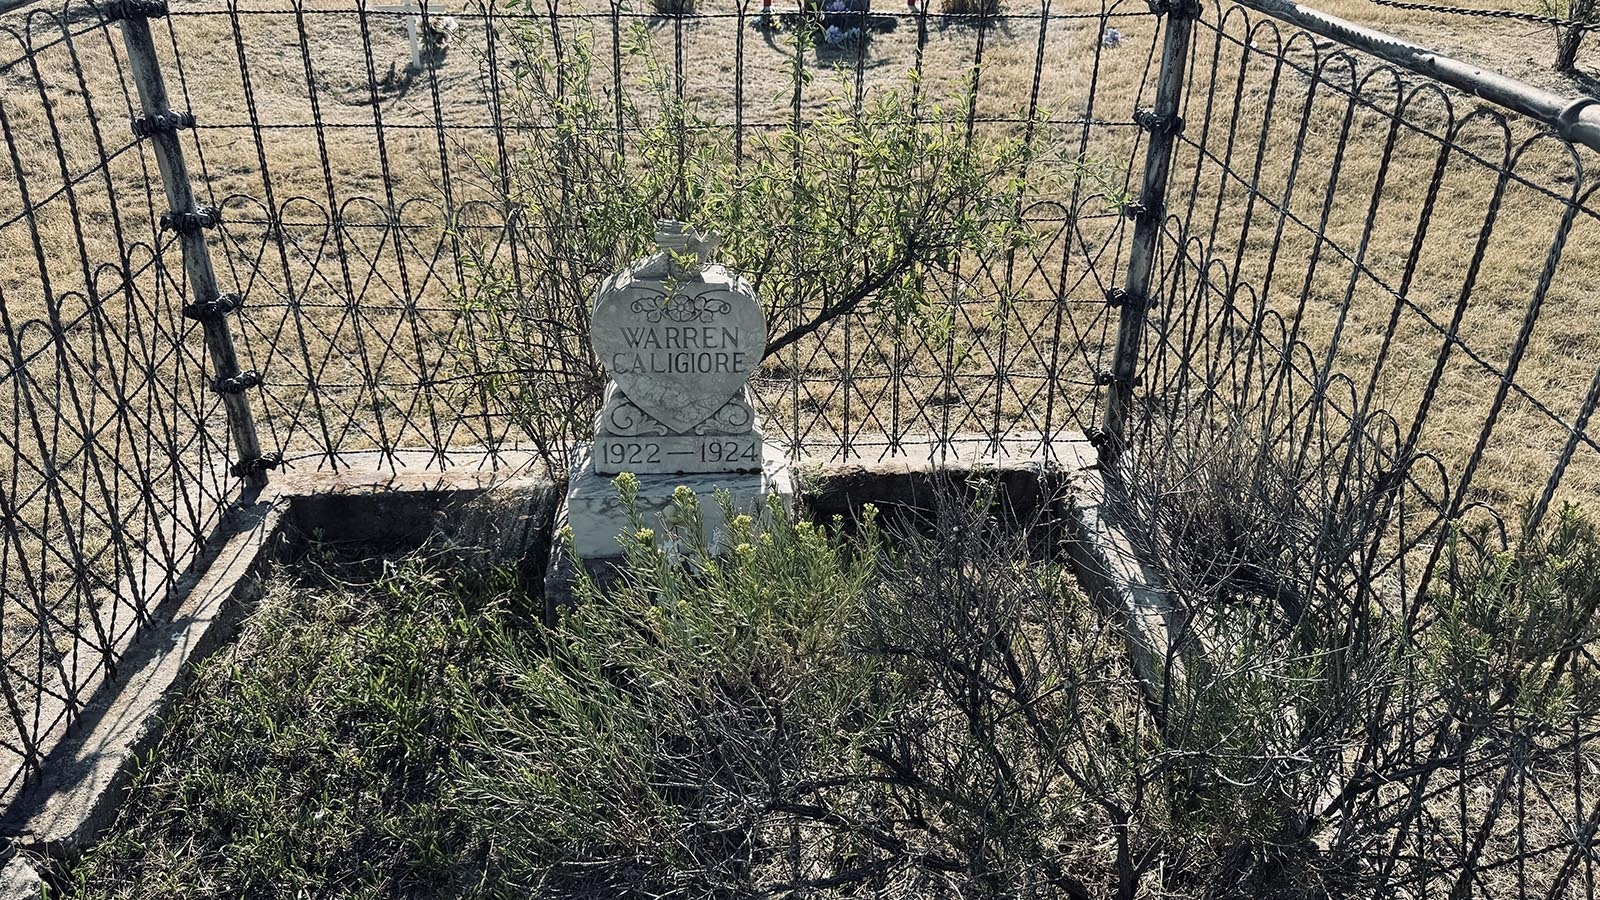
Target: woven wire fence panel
x=1388 y=284
x=362 y=196
x=113 y=455
x=359 y=198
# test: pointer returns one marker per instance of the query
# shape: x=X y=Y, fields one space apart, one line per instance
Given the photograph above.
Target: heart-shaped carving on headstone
x=678 y=349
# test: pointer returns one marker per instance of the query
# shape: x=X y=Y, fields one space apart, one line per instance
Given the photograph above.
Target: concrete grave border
x=505 y=504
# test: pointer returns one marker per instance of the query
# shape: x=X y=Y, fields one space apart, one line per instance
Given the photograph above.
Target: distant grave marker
x=417 y=28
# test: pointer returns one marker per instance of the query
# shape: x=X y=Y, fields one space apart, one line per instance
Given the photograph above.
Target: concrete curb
x=1106 y=562
x=899 y=487
x=507 y=515
x=19 y=880
x=86 y=773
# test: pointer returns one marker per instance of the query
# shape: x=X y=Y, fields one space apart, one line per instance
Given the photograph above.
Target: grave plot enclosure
x=246 y=240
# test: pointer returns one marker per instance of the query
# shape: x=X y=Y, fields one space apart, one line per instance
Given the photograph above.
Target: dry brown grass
x=343 y=165
x=303 y=110
x=367 y=154
x=1341 y=278
x=333 y=304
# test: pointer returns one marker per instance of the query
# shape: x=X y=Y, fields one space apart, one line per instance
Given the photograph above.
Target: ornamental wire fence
x=246 y=235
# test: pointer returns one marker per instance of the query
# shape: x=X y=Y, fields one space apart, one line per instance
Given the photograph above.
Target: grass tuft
x=318 y=754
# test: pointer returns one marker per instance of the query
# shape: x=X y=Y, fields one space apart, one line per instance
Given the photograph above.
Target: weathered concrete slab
x=1028 y=475
x=1107 y=564
x=597 y=516
x=84 y=776
x=469 y=509
x=19 y=880
x=1065 y=449
x=505 y=505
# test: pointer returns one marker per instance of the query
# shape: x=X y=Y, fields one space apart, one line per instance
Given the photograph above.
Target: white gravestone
x=679 y=338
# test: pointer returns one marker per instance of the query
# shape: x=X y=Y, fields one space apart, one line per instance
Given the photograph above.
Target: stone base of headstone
x=679 y=337
x=597 y=516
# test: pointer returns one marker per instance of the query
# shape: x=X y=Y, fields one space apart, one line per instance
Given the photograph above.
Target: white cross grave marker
x=413 y=27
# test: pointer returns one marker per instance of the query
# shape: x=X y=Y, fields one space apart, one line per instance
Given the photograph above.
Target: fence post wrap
x=1163 y=125
x=160 y=124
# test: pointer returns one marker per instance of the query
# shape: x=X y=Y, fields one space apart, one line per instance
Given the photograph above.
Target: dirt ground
x=309 y=115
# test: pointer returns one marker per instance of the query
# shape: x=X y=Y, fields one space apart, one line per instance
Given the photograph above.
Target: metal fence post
x=1133 y=300
x=208 y=305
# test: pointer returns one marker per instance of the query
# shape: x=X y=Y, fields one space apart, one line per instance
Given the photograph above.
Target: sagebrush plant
x=863 y=207
x=816 y=714
x=319 y=751
x=643 y=750
x=907 y=710
x=1509 y=621
x=1326 y=706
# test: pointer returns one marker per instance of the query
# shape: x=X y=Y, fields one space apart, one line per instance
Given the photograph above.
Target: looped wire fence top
x=1361 y=262
x=358 y=346
x=343 y=196
x=1387 y=283
x=113 y=451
